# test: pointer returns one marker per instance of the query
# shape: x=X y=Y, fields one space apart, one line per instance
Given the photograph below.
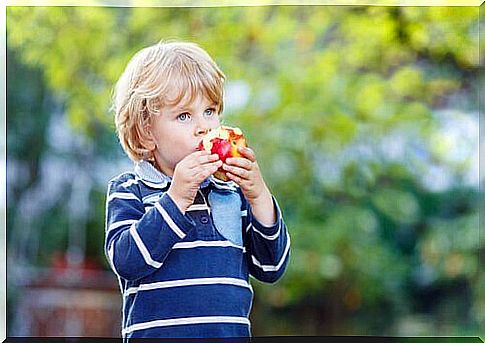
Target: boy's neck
x=157 y=167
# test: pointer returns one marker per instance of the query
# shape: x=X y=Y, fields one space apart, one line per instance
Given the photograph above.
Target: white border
x=220 y=3
x=135 y=3
x=3 y=177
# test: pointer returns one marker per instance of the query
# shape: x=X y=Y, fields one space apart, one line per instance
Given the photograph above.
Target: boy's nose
x=202 y=131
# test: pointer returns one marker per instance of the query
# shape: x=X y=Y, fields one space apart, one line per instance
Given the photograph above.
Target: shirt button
x=204 y=219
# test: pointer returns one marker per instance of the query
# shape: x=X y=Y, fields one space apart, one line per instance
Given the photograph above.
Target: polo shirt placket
x=206 y=229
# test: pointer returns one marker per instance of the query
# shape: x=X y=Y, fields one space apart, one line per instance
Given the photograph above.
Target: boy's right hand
x=189 y=173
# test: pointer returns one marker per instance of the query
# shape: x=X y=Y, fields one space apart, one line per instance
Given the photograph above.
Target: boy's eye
x=209 y=112
x=183 y=116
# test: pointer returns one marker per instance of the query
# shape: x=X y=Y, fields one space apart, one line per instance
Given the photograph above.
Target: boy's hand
x=245 y=172
x=189 y=173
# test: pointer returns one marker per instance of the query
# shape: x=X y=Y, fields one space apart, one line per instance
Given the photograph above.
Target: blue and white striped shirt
x=187 y=275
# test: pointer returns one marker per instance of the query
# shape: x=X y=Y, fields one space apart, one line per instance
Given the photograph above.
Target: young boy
x=181 y=242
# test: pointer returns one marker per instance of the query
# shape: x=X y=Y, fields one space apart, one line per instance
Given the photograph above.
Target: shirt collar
x=152 y=177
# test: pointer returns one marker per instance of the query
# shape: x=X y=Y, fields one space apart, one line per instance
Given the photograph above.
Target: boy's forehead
x=180 y=98
x=198 y=99
x=182 y=88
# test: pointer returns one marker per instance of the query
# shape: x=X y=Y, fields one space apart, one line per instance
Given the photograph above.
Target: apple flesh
x=223 y=141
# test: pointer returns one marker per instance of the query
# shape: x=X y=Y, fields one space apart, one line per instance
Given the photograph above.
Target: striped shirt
x=187 y=275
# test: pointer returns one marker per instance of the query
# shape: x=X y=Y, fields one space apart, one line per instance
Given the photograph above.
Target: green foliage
x=321 y=79
x=398 y=205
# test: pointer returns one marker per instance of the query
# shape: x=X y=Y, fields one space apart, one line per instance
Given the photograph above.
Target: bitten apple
x=223 y=141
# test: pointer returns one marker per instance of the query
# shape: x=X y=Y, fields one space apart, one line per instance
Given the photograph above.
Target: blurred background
x=365 y=123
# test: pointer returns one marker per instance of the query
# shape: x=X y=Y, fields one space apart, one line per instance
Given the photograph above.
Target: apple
x=223 y=141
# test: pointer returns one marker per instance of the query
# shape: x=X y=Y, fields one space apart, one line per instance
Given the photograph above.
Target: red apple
x=223 y=141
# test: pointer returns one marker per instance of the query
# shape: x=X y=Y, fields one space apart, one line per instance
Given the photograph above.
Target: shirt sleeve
x=137 y=242
x=268 y=247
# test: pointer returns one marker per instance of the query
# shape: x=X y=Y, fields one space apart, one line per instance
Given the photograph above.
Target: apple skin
x=223 y=141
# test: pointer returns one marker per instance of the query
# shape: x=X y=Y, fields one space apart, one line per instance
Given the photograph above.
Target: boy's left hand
x=245 y=172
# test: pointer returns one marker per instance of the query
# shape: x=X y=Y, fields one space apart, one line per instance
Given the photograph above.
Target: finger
x=200 y=159
x=199 y=153
x=207 y=158
x=247 y=152
x=240 y=162
x=235 y=178
x=191 y=159
x=210 y=168
x=240 y=172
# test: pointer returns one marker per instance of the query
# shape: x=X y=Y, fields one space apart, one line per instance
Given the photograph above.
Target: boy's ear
x=146 y=138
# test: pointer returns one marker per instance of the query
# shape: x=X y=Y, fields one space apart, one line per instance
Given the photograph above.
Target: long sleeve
x=137 y=242
x=268 y=247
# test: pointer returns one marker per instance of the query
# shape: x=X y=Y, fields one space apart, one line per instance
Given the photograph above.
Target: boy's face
x=178 y=129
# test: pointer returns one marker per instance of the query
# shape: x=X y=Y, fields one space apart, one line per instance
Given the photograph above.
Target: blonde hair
x=141 y=89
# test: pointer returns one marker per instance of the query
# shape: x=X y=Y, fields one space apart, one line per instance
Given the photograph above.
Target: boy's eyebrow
x=188 y=108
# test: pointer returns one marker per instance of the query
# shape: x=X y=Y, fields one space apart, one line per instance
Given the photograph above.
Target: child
x=181 y=242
